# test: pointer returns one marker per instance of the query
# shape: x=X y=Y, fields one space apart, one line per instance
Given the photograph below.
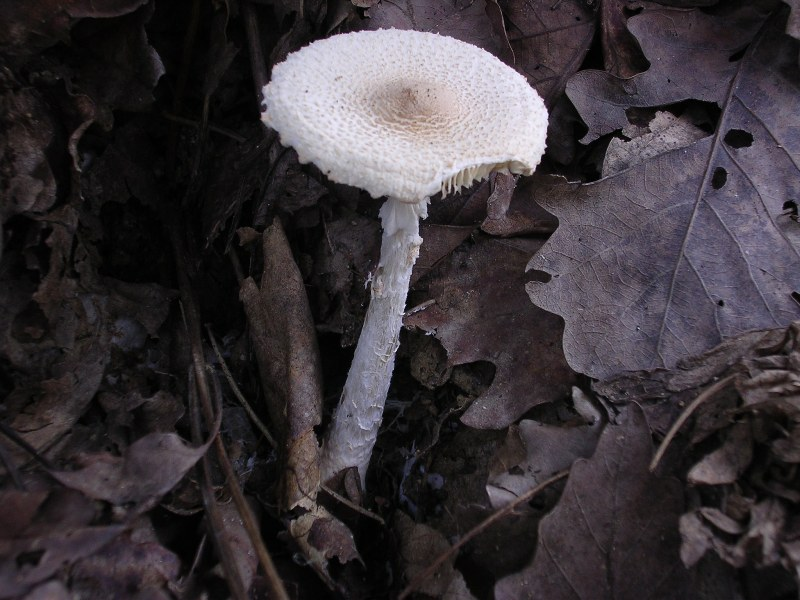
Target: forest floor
x=597 y=388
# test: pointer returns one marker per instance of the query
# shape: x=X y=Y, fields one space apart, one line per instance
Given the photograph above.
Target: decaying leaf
x=462 y=20
x=28 y=181
x=510 y=212
x=535 y=451
x=25 y=562
x=727 y=463
x=61 y=333
x=238 y=543
x=614 y=533
x=668 y=38
x=29 y=27
x=549 y=41
x=671 y=256
x=129 y=565
x=322 y=537
x=480 y=314
x=665 y=132
x=420 y=545
x=283 y=336
x=343 y=260
x=740 y=446
x=793 y=23
x=622 y=56
x=752 y=476
x=149 y=468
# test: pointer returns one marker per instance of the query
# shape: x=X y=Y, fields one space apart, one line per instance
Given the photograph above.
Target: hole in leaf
x=720 y=302
x=790 y=208
x=737 y=56
x=738 y=138
x=719 y=178
x=539 y=276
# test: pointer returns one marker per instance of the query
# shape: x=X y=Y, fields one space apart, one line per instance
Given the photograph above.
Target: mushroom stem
x=358 y=416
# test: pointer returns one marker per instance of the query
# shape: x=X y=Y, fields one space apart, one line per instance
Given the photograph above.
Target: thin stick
x=195 y=335
x=483 y=525
x=681 y=420
x=362 y=511
x=20 y=441
x=217 y=528
x=238 y=393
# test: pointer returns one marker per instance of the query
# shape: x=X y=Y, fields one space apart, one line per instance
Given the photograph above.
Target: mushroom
x=405 y=115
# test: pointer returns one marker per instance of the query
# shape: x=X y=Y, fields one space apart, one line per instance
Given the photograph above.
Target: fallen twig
x=237 y=392
x=479 y=528
x=360 y=510
x=194 y=332
x=681 y=420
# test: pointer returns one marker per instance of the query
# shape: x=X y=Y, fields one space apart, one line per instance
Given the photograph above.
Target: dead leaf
x=28 y=181
x=793 y=24
x=289 y=187
x=667 y=37
x=343 y=261
x=126 y=567
x=727 y=463
x=64 y=510
x=741 y=483
x=511 y=213
x=550 y=41
x=614 y=533
x=19 y=509
x=420 y=545
x=63 y=336
x=440 y=241
x=51 y=590
x=284 y=339
x=621 y=53
x=669 y=257
x=321 y=537
x=462 y=19
x=665 y=132
x=113 y=63
x=148 y=469
x=25 y=562
x=545 y=450
x=480 y=314
x=238 y=169
x=29 y=27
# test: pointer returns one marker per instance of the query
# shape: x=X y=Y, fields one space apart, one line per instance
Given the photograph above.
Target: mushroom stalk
x=358 y=416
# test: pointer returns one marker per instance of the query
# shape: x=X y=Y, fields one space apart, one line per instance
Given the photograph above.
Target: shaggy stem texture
x=358 y=416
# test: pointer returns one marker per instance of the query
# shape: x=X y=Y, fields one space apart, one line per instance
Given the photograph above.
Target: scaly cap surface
x=405 y=114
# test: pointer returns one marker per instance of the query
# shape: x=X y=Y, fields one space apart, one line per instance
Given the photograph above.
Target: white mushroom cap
x=405 y=114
